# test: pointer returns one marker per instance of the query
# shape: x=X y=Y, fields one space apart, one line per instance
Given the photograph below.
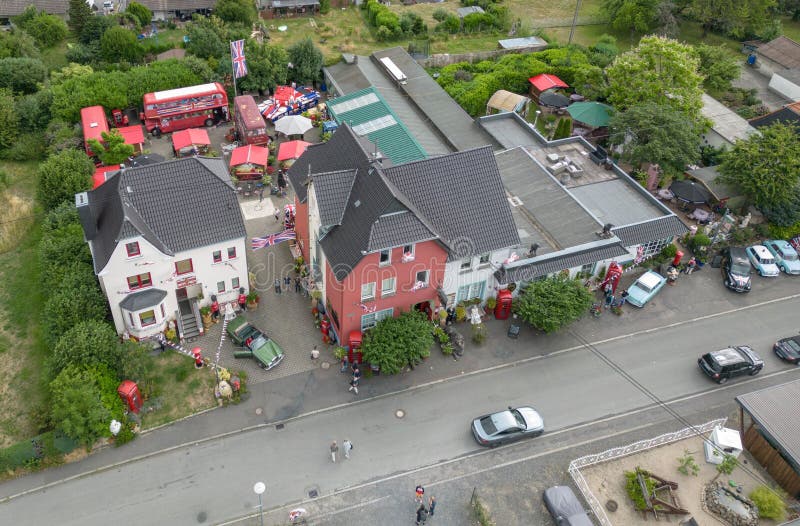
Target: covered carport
x=771 y=434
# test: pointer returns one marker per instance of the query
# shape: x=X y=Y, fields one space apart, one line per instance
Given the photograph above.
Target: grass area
x=54 y=58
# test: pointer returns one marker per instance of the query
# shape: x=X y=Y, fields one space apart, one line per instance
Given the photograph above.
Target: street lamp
x=260 y=488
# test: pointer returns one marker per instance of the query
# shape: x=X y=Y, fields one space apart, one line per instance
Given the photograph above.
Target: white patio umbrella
x=293 y=125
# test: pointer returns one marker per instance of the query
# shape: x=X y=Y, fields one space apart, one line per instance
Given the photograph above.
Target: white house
x=165 y=238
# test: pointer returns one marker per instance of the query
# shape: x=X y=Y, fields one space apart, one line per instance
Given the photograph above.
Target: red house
x=375 y=244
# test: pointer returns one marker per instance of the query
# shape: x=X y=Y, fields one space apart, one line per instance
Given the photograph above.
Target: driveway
x=753 y=78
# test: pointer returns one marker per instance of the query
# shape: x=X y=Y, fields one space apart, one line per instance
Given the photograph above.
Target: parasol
x=591 y=113
x=293 y=125
x=690 y=192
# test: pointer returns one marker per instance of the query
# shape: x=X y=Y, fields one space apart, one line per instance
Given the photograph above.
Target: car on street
x=763 y=261
x=564 y=507
x=644 y=288
x=788 y=349
x=736 y=269
x=730 y=362
x=507 y=426
x=785 y=255
x=255 y=344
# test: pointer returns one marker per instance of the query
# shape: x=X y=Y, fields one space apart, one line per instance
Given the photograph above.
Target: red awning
x=249 y=155
x=132 y=134
x=292 y=149
x=192 y=136
x=101 y=173
x=545 y=82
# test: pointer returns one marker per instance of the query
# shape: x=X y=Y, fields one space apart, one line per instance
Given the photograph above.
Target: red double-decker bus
x=249 y=123
x=181 y=108
x=94 y=122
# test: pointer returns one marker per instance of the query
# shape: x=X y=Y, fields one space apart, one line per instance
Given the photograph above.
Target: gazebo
x=544 y=82
x=190 y=142
x=290 y=150
x=134 y=136
x=249 y=162
x=503 y=100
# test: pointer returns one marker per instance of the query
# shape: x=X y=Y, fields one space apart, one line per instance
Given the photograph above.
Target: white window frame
x=388 y=253
x=369 y=288
x=427 y=277
x=466 y=264
x=370 y=320
x=473 y=290
x=391 y=290
x=485 y=260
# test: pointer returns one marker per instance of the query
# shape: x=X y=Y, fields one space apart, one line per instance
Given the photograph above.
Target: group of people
x=347 y=447
x=611 y=300
x=674 y=270
x=301 y=285
x=423 y=512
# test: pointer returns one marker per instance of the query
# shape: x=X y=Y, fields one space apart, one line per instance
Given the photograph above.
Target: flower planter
x=252 y=305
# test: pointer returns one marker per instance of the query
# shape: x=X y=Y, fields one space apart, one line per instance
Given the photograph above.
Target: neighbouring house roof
x=184 y=138
x=142 y=300
x=776 y=419
x=10 y=8
x=462 y=196
x=506 y=101
x=783 y=51
x=708 y=178
x=556 y=262
x=249 y=154
x=178 y=5
x=727 y=123
x=523 y=42
x=333 y=191
x=132 y=134
x=464 y=11
x=368 y=115
x=650 y=230
x=175 y=205
x=292 y=3
x=789 y=114
x=544 y=82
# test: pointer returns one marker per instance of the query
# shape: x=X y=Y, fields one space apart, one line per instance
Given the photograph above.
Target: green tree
x=62 y=176
x=734 y=18
x=266 y=65
x=34 y=110
x=119 y=45
x=77 y=298
x=81 y=406
x=207 y=38
x=652 y=133
x=9 y=120
x=92 y=342
x=631 y=15
x=22 y=75
x=113 y=149
x=659 y=70
x=79 y=13
x=46 y=30
x=242 y=12
x=718 y=66
x=306 y=61
x=604 y=51
x=60 y=136
x=553 y=303
x=765 y=166
x=17 y=43
x=60 y=251
x=324 y=7
x=770 y=503
x=69 y=71
x=396 y=342
x=95 y=27
x=141 y=12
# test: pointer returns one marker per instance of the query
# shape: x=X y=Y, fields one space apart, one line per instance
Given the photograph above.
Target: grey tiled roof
x=784 y=115
x=659 y=228
x=398 y=229
x=16 y=7
x=777 y=419
x=142 y=300
x=332 y=190
x=462 y=197
x=178 y=5
x=176 y=205
x=556 y=263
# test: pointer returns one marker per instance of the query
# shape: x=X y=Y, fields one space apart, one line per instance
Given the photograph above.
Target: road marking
x=306 y=501
x=431 y=384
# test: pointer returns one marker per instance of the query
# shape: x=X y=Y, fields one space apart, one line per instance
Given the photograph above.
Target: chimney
x=85 y=215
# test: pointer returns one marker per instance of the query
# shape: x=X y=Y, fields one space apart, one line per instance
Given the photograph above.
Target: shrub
x=669 y=251
x=687 y=465
x=28 y=147
x=634 y=489
x=697 y=241
x=770 y=503
x=440 y=14
x=727 y=465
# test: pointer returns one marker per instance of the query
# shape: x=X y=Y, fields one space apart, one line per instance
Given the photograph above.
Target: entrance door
x=183 y=301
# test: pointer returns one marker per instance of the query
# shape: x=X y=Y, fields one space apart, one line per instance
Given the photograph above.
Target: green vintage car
x=255 y=344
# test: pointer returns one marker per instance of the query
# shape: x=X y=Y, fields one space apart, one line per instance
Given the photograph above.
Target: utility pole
x=574 y=21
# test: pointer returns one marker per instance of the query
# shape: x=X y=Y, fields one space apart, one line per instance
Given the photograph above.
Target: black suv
x=732 y=361
x=736 y=269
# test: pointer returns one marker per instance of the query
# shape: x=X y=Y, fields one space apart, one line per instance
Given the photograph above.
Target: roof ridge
x=406 y=201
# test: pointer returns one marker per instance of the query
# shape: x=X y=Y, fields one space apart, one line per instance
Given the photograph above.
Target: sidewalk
x=321 y=386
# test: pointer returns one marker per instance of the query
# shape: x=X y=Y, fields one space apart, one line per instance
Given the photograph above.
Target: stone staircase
x=188 y=322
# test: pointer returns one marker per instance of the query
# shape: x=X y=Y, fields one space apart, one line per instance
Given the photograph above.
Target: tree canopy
x=62 y=176
x=242 y=12
x=718 y=66
x=91 y=342
x=208 y=38
x=396 y=342
x=77 y=298
x=765 y=166
x=141 y=12
x=22 y=75
x=659 y=70
x=658 y=134
x=17 y=43
x=553 y=303
x=120 y=45
x=113 y=149
x=46 y=30
x=9 y=120
x=734 y=18
x=636 y=16
x=266 y=67
x=79 y=13
x=307 y=61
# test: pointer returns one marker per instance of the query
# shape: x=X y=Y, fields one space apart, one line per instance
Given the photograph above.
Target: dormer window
x=133 y=249
x=466 y=264
x=386 y=257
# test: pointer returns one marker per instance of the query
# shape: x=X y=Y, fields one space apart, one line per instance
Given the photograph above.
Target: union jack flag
x=237 y=58
x=272 y=239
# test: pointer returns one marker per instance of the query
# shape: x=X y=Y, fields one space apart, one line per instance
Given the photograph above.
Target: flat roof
x=616 y=202
x=510 y=132
x=779 y=421
x=524 y=42
x=725 y=121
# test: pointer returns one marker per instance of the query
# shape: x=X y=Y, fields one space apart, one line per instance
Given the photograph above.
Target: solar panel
x=355 y=103
x=374 y=125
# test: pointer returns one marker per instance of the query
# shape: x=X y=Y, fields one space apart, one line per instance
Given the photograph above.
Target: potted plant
x=491 y=303
x=252 y=300
x=461 y=313
x=205 y=313
x=442 y=317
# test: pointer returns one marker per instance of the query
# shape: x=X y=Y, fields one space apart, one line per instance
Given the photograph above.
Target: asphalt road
x=212 y=481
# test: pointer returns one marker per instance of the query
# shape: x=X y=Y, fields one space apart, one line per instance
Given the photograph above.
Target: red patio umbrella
x=249 y=154
x=292 y=149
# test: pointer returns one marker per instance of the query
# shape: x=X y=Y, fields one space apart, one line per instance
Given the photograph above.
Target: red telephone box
x=128 y=391
x=503 y=308
x=354 y=353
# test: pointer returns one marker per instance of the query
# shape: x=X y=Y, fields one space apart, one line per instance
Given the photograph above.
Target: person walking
x=422 y=515
x=214 y=309
x=286 y=282
x=354 y=385
x=334 y=450
x=623 y=298
x=242 y=300
x=297 y=284
x=419 y=493
x=347 y=446
x=277 y=286
x=431 y=505
x=314 y=354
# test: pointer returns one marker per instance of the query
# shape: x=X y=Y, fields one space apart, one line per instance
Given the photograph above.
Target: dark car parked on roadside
x=788 y=349
x=736 y=269
x=564 y=507
x=730 y=362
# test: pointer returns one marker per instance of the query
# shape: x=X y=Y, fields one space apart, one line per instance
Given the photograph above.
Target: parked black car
x=730 y=362
x=736 y=269
x=788 y=349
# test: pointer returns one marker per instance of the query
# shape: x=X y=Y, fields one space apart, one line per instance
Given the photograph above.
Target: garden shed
x=544 y=82
x=503 y=100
